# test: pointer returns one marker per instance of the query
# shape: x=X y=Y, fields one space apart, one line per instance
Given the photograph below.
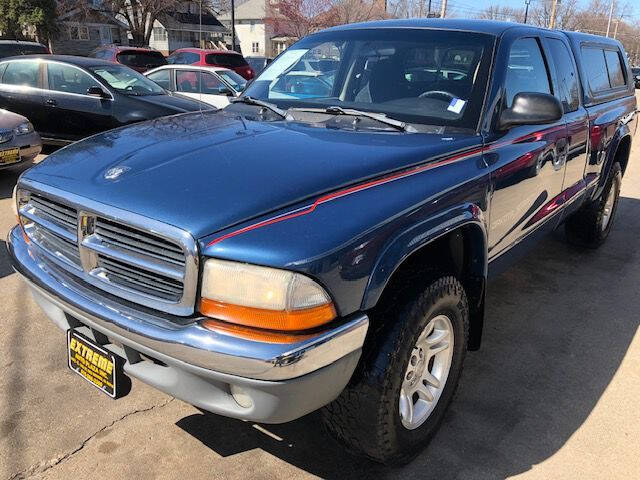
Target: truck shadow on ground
x=558 y=325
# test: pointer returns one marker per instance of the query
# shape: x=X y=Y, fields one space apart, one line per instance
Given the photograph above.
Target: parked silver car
x=18 y=140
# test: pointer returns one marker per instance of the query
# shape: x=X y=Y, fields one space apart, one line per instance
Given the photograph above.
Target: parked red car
x=139 y=58
x=212 y=58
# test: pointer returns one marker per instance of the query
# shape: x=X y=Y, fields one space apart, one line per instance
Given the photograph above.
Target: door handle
x=51 y=102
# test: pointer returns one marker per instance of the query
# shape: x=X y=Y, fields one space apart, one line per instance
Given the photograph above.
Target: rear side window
x=614 y=65
x=225 y=60
x=596 y=68
x=24 y=73
x=526 y=70
x=149 y=60
x=567 y=76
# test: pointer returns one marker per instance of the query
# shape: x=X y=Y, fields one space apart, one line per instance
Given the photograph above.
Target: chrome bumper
x=159 y=337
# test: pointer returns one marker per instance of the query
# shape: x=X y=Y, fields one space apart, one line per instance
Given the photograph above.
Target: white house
x=253 y=34
x=181 y=29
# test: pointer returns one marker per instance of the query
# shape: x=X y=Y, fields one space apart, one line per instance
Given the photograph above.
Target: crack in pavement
x=42 y=467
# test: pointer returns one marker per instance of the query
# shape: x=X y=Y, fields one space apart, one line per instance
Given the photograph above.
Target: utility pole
x=429 y=9
x=610 y=15
x=526 y=10
x=615 y=32
x=443 y=12
x=554 y=10
x=233 y=25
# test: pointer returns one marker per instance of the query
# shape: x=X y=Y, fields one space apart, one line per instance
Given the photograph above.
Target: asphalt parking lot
x=553 y=393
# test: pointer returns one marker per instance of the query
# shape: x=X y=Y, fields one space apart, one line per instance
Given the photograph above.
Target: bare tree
x=502 y=13
x=566 y=14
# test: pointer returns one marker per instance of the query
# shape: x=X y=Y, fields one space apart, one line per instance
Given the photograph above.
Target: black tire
x=365 y=417
x=586 y=227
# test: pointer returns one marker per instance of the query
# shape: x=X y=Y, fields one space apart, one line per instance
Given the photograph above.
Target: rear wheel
x=590 y=226
x=407 y=376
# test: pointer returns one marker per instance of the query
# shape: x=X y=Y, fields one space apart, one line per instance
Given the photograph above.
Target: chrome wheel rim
x=608 y=207
x=427 y=372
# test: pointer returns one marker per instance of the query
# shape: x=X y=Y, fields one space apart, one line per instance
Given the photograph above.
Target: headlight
x=24 y=128
x=263 y=297
x=637 y=77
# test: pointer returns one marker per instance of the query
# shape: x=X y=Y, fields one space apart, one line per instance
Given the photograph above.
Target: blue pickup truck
x=325 y=241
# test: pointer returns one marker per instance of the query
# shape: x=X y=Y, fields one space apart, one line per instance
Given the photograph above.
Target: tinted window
x=614 y=65
x=569 y=88
x=162 y=78
x=526 y=70
x=225 y=60
x=64 y=78
x=23 y=73
x=139 y=59
x=596 y=69
x=183 y=58
x=10 y=50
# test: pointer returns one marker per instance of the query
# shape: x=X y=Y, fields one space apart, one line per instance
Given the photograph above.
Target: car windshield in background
x=137 y=59
x=127 y=81
x=225 y=59
x=12 y=50
x=232 y=78
x=434 y=77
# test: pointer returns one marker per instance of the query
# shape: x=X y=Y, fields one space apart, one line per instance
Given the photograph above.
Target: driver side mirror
x=96 y=91
x=531 y=108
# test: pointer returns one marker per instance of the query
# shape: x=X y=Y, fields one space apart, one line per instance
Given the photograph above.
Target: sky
x=470 y=6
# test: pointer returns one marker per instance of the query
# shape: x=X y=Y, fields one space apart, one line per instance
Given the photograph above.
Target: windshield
x=232 y=78
x=434 y=77
x=127 y=81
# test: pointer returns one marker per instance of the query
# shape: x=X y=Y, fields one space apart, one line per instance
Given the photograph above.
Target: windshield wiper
x=379 y=117
x=260 y=103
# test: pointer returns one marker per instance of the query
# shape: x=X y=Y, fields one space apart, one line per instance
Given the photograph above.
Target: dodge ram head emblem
x=115 y=172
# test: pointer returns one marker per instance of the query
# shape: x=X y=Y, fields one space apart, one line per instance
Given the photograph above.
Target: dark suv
x=138 y=58
x=330 y=248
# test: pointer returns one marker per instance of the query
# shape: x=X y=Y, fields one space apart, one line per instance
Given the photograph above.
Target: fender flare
x=621 y=132
x=419 y=235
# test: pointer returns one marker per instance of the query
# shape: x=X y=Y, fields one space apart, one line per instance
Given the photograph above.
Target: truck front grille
x=138 y=262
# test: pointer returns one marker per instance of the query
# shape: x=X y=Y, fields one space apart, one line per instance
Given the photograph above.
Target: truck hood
x=208 y=171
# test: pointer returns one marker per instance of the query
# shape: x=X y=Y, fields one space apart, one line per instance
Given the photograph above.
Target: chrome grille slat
x=133 y=257
x=49 y=225
x=56 y=245
x=66 y=216
x=139 y=247
x=103 y=224
x=149 y=263
x=116 y=266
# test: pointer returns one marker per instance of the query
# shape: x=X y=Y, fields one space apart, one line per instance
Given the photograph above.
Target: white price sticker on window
x=456 y=105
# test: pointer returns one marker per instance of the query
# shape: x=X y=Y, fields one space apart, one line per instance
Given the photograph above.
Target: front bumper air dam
x=220 y=373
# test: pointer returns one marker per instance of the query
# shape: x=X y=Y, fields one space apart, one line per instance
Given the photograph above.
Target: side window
x=24 y=73
x=566 y=75
x=63 y=78
x=526 y=70
x=190 y=58
x=173 y=58
x=614 y=65
x=187 y=81
x=596 y=68
x=211 y=84
x=162 y=78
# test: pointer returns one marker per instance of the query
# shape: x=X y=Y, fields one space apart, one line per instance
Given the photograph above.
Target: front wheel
x=407 y=376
